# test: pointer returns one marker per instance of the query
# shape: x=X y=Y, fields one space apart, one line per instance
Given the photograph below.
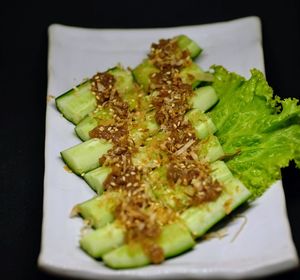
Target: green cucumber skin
x=127 y=256
x=93 y=120
x=109 y=243
x=81 y=131
x=174 y=240
x=103 y=240
x=70 y=91
x=186 y=43
x=197 y=221
x=201 y=218
x=142 y=72
x=178 y=238
x=124 y=84
x=86 y=105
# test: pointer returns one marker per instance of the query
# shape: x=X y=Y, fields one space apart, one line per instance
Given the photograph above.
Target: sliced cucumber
x=107 y=237
x=142 y=127
x=201 y=218
x=98 y=117
x=96 y=178
x=100 y=241
x=99 y=211
x=194 y=75
x=85 y=156
x=173 y=197
x=186 y=43
x=125 y=86
x=76 y=103
x=124 y=79
x=210 y=149
x=142 y=73
x=204 y=98
x=174 y=240
x=202 y=124
x=150 y=155
x=127 y=256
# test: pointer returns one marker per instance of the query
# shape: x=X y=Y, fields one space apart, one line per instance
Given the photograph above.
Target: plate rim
x=49 y=267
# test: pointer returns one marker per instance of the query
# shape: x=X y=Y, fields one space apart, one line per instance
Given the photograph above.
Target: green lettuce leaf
x=259 y=132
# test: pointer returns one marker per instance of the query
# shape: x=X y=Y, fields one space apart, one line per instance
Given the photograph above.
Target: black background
x=23 y=63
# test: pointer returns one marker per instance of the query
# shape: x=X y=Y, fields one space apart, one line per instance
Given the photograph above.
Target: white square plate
x=262 y=247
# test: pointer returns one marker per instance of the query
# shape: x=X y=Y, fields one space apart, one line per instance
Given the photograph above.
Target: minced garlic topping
x=143 y=217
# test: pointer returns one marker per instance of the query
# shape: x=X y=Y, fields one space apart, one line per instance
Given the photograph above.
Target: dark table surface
x=23 y=94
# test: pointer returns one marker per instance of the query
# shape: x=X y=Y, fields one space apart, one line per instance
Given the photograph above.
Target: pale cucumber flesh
x=99 y=211
x=100 y=241
x=95 y=178
x=204 y=98
x=85 y=156
x=202 y=124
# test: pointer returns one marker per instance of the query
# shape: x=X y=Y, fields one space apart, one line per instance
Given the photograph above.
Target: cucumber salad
x=170 y=150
